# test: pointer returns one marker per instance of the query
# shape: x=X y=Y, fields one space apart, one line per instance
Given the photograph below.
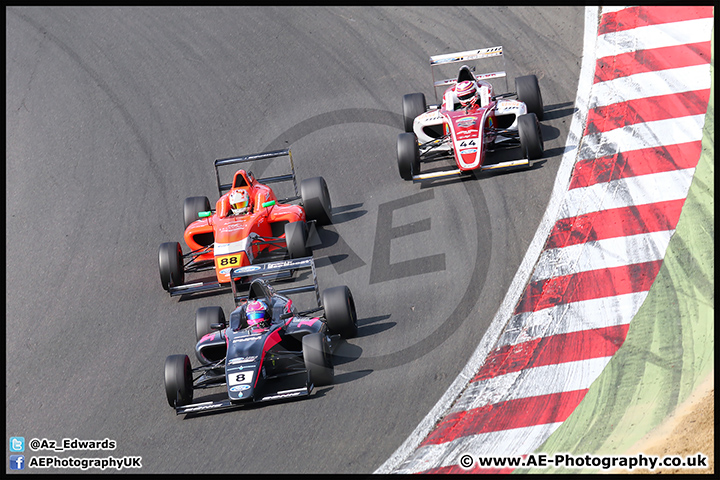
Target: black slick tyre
x=192 y=206
x=170 y=264
x=528 y=92
x=340 y=311
x=318 y=361
x=316 y=200
x=204 y=318
x=408 y=156
x=296 y=239
x=530 y=136
x=178 y=380
x=413 y=105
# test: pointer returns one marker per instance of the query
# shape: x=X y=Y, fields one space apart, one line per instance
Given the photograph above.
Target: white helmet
x=467 y=93
x=239 y=202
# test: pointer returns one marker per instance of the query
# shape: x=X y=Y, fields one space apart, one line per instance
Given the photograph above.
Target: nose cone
x=243 y=360
x=466 y=141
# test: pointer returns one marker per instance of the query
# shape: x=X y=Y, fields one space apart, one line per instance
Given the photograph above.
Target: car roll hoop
x=224 y=187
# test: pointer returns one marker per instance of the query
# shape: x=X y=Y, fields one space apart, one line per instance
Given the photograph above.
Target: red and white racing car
x=470 y=122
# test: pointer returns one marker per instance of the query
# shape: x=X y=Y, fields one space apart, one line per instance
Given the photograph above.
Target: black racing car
x=286 y=358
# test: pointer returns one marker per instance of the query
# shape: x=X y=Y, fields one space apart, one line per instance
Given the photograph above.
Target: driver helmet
x=255 y=312
x=239 y=202
x=466 y=92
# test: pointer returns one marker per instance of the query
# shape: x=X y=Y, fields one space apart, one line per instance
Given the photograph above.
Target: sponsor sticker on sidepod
x=466 y=122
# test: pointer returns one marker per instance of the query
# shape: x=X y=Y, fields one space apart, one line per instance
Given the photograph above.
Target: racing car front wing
x=225 y=404
x=458 y=172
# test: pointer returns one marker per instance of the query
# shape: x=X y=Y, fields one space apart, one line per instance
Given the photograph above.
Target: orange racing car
x=249 y=225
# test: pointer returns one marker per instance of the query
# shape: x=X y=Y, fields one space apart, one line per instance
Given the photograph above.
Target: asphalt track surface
x=114 y=116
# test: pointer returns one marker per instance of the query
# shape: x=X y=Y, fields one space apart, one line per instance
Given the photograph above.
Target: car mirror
x=268 y=204
x=205 y=214
x=217 y=326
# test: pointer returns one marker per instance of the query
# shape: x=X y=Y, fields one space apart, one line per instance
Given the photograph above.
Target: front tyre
x=296 y=239
x=178 y=380
x=530 y=136
x=316 y=200
x=340 y=311
x=170 y=264
x=318 y=361
x=408 y=155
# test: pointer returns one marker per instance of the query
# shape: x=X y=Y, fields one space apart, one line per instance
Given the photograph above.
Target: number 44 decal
x=471 y=143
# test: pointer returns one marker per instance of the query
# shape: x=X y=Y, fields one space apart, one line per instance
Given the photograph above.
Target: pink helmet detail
x=466 y=92
x=255 y=312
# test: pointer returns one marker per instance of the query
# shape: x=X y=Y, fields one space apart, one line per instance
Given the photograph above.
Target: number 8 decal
x=239 y=378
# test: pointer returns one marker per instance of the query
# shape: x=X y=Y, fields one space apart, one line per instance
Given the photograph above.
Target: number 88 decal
x=228 y=261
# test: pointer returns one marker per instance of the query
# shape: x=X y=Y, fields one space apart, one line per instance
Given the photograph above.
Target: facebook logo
x=17 y=444
x=17 y=462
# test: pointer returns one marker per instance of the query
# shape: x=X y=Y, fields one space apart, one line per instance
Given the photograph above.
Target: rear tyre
x=178 y=380
x=204 y=318
x=413 y=105
x=296 y=239
x=408 y=155
x=170 y=264
x=340 y=311
x=530 y=136
x=318 y=361
x=316 y=200
x=528 y=91
x=192 y=206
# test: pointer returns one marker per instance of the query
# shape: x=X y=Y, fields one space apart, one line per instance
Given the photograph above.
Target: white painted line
x=531 y=382
x=599 y=254
x=672 y=131
x=626 y=192
x=654 y=36
x=519 y=441
x=572 y=317
x=650 y=84
x=613 y=9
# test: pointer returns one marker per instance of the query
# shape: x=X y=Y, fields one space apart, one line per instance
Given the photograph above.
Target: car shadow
x=558 y=110
x=345 y=213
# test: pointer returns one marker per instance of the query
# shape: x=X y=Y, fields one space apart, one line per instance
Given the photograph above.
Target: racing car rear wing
x=479 y=54
x=273 y=271
x=224 y=187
